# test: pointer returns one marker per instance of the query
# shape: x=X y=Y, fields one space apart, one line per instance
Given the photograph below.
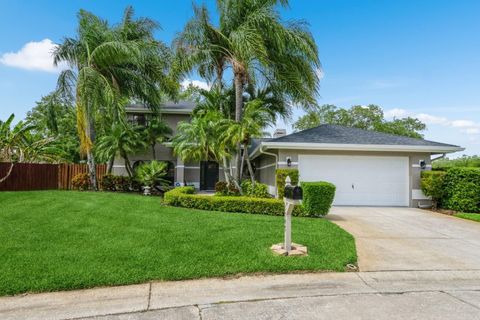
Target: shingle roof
x=336 y=134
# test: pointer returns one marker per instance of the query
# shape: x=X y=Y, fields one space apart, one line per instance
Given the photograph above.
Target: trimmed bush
x=281 y=175
x=257 y=190
x=112 y=182
x=432 y=183
x=184 y=197
x=317 y=197
x=81 y=182
x=462 y=190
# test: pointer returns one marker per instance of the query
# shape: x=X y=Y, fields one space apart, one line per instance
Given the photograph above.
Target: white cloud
x=429 y=119
x=396 y=113
x=463 y=123
x=466 y=126
x=197 y=83
x=33 y=56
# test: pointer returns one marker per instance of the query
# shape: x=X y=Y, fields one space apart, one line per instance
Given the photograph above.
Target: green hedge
x=462 y=189
x=184 y=197
x=432 y=186
x=281 y=175
x=317 y=197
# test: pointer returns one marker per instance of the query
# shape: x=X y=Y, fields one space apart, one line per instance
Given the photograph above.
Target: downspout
x=276 y=164
x=438 y=158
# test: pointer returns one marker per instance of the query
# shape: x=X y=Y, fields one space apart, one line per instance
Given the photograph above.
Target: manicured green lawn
x=469 y=216
x=59 y=240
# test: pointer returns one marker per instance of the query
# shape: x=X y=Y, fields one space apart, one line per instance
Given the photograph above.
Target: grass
x=468 y=216
x=61 y=240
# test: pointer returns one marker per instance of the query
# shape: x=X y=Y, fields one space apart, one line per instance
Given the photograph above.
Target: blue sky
x=419 y=58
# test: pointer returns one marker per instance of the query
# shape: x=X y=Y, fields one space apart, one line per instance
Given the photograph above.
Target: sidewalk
x=363 y=295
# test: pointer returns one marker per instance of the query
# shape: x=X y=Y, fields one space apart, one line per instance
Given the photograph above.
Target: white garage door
x=360 y=180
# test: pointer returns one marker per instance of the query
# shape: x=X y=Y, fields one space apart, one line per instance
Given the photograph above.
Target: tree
x=203 y=138
x=109 y=64
x=257 y=45
x=156 y=131
x=52 y=117
x=370 y=117
x=17 y=144
x=122 y=140
x=257 y=115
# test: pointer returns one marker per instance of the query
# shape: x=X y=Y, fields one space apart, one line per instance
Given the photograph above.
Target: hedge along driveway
x=59 y=240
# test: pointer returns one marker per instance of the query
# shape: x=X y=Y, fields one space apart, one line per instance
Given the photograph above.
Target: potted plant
x=151 y=174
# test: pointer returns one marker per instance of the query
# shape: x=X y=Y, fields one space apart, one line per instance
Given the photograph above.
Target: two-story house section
x=203 y=175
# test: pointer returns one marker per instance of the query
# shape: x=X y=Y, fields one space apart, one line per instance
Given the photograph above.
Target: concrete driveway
x=410 y=239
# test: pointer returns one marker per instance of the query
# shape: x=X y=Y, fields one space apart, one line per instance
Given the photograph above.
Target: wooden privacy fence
x=66 y=171
x=36 y=176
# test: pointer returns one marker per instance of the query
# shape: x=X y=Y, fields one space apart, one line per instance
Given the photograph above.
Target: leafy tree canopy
x=370 y=117
x=53 y=117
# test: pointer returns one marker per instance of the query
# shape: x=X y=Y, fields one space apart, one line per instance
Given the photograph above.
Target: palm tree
x=203 y=139
x=122 y=140
x=253 y=41
x=257 y=116
x=17 y=144
x=156 y=131
x=109 y=64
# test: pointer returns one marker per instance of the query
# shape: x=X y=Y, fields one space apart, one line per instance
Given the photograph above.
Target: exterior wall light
x=423 y=164
x=289 y=162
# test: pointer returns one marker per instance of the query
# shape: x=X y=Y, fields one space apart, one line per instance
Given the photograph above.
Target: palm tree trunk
x=91 y=169
x=128 y=166
x=92 y=172
x=153 y=151
x=110 y=164
x=241 y=164
x=249 y=166
x=238 y=117
x=225 y=170
x=8 y=173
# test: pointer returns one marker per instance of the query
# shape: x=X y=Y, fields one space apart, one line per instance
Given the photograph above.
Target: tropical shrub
x=432 y=183
x=257 y=190
x=233 y=190
x=152 y=173
x=317 y=197
x=462 y=190
x=221 y=188
x=281 y=175
x=184 y=197
x=108 y=182
x=81 y=182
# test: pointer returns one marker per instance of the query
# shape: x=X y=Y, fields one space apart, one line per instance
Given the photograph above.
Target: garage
x=360 y=180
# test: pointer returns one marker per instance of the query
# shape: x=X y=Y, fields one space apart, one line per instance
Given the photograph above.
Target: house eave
x=353 y=147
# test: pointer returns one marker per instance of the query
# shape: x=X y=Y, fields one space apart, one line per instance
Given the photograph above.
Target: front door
x=208 y=175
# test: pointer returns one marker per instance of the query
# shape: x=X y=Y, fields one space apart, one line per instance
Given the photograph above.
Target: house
x=368 y=168
x=203 y=175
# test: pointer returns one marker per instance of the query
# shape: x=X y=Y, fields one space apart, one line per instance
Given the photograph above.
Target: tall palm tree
x=156 y=131
x=122 y=140
x=107 y=65
x=257 y=45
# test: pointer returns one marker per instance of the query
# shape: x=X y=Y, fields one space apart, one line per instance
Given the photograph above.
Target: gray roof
x=336 y=134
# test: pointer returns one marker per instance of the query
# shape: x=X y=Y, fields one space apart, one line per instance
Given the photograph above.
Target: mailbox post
x=293 y=197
